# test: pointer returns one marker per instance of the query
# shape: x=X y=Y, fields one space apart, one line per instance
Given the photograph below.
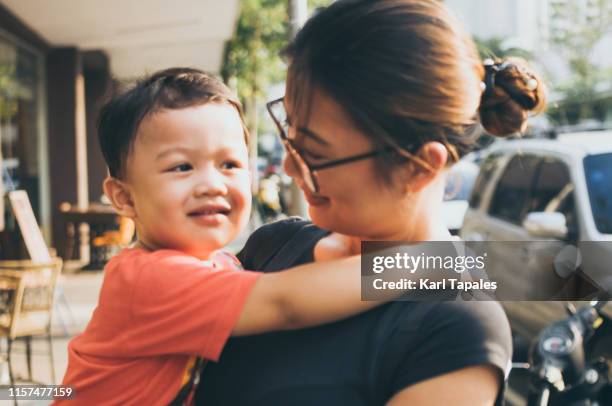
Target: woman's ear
x=120 y=196
x=426 y=165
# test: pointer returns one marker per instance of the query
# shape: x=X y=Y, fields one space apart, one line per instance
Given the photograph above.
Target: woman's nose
x=210 y=182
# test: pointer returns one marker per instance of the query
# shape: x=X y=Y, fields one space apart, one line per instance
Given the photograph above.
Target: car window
x=553 y=183
x=553 y=191
x=487 y=169
x=460 y=181
x=512 y=197
x=598 y=172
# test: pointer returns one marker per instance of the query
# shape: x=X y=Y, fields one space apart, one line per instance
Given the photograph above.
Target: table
x=99 y=218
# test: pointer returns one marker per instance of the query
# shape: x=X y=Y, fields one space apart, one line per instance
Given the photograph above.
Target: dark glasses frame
x=308 y=171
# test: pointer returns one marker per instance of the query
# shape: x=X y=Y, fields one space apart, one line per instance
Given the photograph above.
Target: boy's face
x=188 y=178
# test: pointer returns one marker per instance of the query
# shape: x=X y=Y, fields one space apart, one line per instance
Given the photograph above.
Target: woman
x=382 y=97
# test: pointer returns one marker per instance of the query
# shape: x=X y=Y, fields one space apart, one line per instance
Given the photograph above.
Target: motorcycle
x=564 y=366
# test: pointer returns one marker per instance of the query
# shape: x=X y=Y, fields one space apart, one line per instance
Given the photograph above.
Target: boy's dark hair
x=173 y=88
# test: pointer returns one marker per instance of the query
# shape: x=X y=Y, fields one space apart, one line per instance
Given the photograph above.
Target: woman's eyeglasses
x=277 y=111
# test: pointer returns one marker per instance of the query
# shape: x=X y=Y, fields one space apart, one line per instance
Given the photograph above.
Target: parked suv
x=549 y=193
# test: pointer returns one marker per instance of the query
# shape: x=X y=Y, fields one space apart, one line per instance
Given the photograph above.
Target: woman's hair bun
x=512 y=90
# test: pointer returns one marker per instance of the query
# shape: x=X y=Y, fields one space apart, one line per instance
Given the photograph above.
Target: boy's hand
x=336 y=246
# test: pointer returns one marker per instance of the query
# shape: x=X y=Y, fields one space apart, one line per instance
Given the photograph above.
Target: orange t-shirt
x=157 y=313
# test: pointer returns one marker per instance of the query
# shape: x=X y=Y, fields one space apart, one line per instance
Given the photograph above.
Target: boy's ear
x=430 y=161
x=119 y=194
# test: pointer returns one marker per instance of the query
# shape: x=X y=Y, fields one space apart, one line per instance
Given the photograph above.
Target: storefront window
x=19 y=132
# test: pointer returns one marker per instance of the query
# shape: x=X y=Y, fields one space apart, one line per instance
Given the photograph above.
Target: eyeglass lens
x=277 y=109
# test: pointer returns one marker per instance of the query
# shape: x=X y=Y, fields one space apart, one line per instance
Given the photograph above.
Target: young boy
x=176 y=149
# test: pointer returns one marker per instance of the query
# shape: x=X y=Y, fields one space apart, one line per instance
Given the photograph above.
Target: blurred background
x=60 y=59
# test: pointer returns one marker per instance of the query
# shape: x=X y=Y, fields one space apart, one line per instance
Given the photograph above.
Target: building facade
x=538 y=26
x=59 y=60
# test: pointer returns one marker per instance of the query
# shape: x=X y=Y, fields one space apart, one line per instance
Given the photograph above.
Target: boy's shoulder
x=138 y=258
x=135 y=266
x=136 y=271
x=135 y=257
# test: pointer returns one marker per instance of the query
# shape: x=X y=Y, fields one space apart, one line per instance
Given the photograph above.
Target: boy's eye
x=181 y=168
x=231 y=164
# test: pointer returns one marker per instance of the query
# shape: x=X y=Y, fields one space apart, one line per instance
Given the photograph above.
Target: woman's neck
x=427 y=232
x=421 y=221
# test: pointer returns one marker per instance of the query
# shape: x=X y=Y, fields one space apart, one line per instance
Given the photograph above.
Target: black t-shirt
x=363 y=360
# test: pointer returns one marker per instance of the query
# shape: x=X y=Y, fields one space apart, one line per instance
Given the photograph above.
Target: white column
x=298 y=14
x=81 y=163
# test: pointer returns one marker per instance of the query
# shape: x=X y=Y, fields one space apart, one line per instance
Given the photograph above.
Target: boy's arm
x=304 y=296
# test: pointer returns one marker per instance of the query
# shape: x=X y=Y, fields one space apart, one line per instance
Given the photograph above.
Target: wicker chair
x=26 y=306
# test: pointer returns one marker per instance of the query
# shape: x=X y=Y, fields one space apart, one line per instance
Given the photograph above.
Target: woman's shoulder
x=446 y=336
x=482 y=320
x=478 y=322
x=280 y=245
x=470 y=323
x=470 y=311
x=287 y=225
